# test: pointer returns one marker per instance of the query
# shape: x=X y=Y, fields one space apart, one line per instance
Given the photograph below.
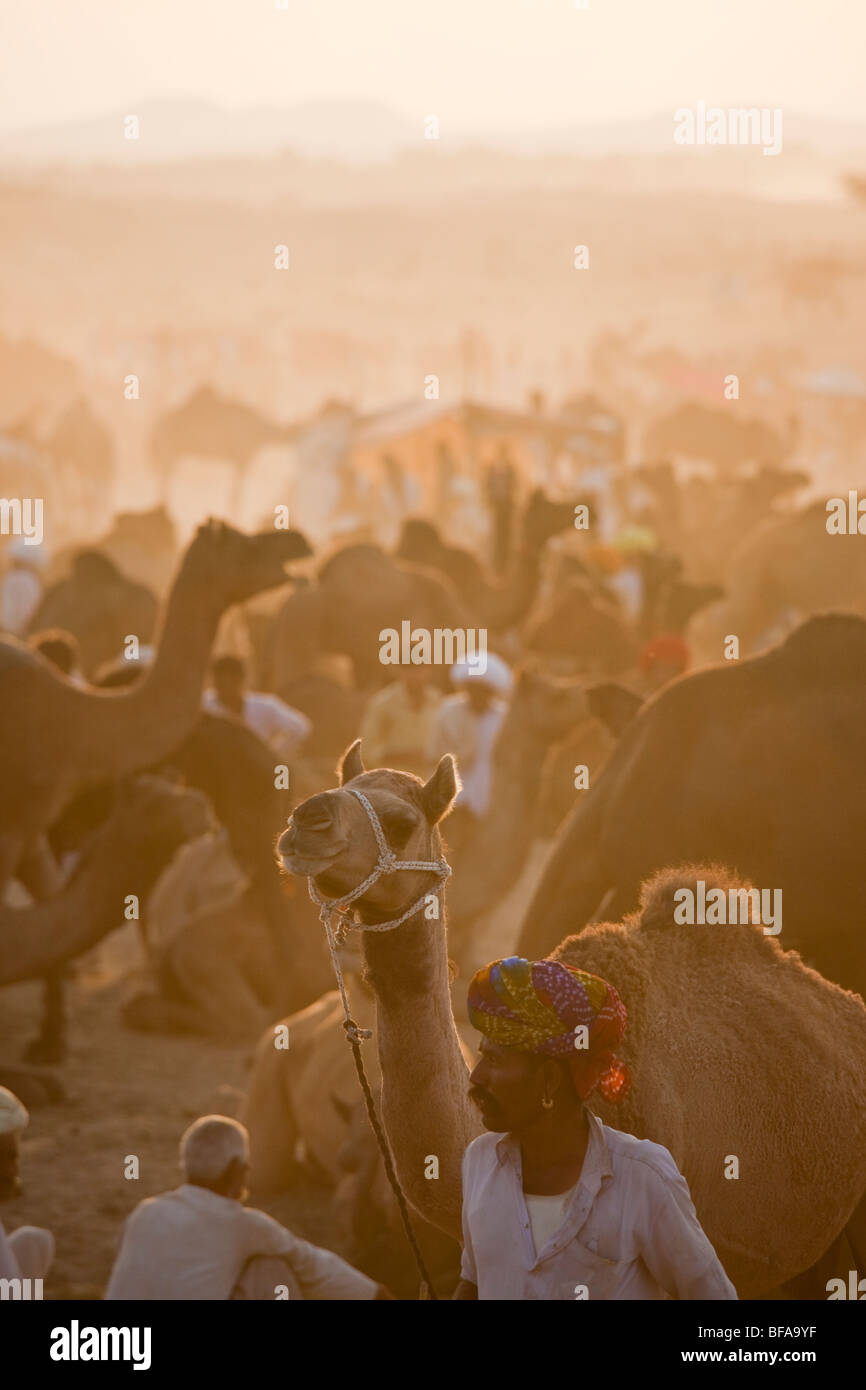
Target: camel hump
x=354 y=561
x=830 y=644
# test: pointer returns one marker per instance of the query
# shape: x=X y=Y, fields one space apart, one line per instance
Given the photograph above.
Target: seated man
x=275 y=722
x=201 y=1242
x=29 y=1251
x=556 y=1205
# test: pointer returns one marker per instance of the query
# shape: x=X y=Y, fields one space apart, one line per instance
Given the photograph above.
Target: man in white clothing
x=275 y=722
x=27 y=1253
x=201 y=1242
x=467 y=724
x=556 y=1204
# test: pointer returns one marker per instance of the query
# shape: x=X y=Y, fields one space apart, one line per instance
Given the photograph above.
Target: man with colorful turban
x=557 y=1205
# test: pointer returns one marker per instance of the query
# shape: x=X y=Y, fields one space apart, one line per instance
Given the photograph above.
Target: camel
x=150 y=820
x=301 y=1094
x=787 y=569
x=576 y=624
x=80 y=445
x=216 y=426
x=234 y=967
x=726 y=1035
x=495 y=604
x=360 y=590
x=100 y=606
x=719 y=436
x=60 y=739
x=145 y=545
x=758 y=763
x=368 y=1219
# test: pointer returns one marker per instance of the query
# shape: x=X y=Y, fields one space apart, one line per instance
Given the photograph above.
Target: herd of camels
x=739 y=1048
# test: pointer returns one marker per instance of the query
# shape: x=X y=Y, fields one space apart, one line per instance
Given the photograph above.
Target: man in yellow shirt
x=398 y=722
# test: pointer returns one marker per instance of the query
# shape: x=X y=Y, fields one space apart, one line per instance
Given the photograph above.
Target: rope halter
x=387 y=863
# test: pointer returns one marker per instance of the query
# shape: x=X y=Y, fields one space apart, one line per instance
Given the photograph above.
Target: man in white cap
x=467 y=724
x=201 y=1242
x=29 y=1251
x=20 y=587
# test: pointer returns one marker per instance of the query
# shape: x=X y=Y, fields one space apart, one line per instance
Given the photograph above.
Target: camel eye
x=397 y=829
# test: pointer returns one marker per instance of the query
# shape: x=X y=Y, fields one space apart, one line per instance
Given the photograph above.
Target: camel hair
x=59 y=739
x=737 y=1048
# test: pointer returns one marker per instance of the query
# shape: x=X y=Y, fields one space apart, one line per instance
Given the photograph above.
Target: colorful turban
x=537 y=1007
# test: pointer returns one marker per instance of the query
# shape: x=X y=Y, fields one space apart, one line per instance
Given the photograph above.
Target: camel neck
x=140 y=727
x=409 y=962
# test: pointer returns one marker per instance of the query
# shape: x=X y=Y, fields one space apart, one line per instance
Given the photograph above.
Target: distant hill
x=357 y=132
x=173 y=130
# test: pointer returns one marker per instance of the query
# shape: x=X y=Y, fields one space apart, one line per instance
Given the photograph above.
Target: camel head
x=549 y=705
x=233 y=567
x=159 y=816
x=543 y=518
x=330 y=837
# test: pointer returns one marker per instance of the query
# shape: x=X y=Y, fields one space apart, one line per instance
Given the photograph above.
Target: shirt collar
x=204 y=1197
x=597 y=1163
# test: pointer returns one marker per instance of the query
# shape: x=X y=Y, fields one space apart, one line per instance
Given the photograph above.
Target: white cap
x=13 y=1116
x=487 y=669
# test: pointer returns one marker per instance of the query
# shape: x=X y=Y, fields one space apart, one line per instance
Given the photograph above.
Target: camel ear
x=438 y=794
x=613 y=706
x=351 y=766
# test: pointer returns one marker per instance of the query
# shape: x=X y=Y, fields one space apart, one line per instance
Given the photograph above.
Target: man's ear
x=438 y=794
x=351 y=765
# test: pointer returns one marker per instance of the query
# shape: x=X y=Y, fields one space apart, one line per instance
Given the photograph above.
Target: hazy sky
x=485 y=65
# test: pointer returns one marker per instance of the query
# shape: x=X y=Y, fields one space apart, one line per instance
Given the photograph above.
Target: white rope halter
x=387 y=863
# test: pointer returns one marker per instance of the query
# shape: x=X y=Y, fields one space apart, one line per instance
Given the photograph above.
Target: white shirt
x=471 y=738
x=269 y=717
x=192 y=1244
x=546 y=1215
x=8 y=1263
x=20 y=593
x=629 y=1231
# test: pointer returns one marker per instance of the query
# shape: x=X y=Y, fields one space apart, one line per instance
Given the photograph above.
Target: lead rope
x=387 y=863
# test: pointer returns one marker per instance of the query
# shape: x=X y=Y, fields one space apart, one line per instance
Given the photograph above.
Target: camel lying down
x=748 y=1066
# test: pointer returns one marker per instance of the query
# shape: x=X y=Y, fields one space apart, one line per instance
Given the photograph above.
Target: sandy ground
x=127 y=1094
